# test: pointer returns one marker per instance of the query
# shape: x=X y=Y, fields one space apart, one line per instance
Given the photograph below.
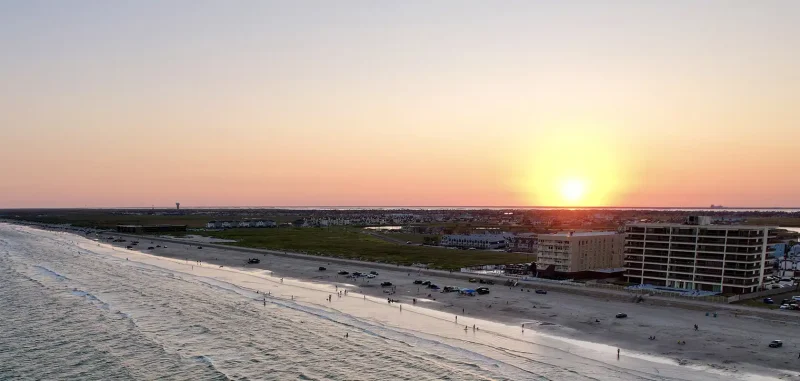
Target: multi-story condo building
x=698 y=255
x=580 y=251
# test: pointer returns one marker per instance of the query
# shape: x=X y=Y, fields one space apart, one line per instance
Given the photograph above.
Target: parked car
x=426 y=283
x=621 y=315
x=129 y=247
x=199 y=247
x=386 y=284
x=472 y=280
x=433 y=287
x=371 y=276
x=374 y=273
x=450 y=289
x=343 y=272
x=541 y=292
x=158 y=245
x=150 y=248
x=417 y=281
x=482 y=281
x=776 y=344
x=322 y=268
x=482 y=290
x=769 y=301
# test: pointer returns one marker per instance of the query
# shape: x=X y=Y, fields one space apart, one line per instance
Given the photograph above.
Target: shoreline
x=734 y=342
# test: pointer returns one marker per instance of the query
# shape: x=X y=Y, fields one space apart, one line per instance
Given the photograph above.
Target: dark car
x=769 y=301
x=158 y=245
x=449 y=289
x=386 y=284
x=343 y=272
x=482 y=290
x=776 y=344
x=253 y=261
x=433 y=287
x=150 y=248
x=129 y=247
x=373 y=272
x=542 y=292
x=417 y=281
x=322 y=268
x=621 y=315
x=426 y=283
x=199 y=247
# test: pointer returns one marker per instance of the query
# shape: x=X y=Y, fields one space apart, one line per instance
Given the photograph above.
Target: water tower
x=178 y=205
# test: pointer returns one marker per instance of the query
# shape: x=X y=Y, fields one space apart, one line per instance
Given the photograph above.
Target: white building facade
x=476 y=241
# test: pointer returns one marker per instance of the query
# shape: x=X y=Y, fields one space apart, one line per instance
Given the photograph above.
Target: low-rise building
x=476 y=241
x=525 y=242
x=572 y=252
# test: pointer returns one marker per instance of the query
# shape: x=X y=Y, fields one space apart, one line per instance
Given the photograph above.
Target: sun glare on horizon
x=572 y=190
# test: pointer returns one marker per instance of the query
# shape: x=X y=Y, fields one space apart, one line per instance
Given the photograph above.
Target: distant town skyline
x=364 y=103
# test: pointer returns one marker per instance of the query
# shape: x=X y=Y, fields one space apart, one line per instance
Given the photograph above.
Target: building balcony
x=681 y=270
x=654 y=274
x=707 y=278
x=710 y=264
x=709 y=272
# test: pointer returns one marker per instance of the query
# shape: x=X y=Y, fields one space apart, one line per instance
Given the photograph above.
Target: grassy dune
x=353 y=244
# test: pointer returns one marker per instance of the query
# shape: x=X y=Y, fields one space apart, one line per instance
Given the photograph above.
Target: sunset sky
x=403 y=103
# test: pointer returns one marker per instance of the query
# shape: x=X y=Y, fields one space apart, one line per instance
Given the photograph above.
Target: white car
x=370 y=276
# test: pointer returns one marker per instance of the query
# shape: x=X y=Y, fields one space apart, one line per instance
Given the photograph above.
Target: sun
x=572 y=190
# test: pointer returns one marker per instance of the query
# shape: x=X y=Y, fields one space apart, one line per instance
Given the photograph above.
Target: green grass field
x=415 y=238
x=353 y=244
x=105 y=219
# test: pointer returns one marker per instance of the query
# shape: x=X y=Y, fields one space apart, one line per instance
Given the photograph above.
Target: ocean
x=72 y=308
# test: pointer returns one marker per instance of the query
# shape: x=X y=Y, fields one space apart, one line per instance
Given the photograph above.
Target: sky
x=385 y=103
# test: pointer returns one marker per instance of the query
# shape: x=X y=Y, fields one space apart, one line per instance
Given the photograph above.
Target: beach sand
x=733 y=341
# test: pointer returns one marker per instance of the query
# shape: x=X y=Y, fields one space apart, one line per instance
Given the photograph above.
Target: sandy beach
x=733 y=341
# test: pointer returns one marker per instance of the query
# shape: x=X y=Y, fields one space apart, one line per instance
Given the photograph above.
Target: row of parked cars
x=786 y=304
x=355 y=274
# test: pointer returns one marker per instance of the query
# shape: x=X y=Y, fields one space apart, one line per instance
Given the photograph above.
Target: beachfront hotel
x=572 y=252
x=698 y=256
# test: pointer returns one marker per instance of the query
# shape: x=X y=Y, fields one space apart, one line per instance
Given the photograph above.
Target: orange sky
x=456 y=103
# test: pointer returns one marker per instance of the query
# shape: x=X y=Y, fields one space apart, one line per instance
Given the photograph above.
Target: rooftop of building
x=711 y=226
x=579 y=234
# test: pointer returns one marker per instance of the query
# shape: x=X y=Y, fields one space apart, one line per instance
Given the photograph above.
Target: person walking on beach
x=456 y=318
x=617 y=353
x=695 y=327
